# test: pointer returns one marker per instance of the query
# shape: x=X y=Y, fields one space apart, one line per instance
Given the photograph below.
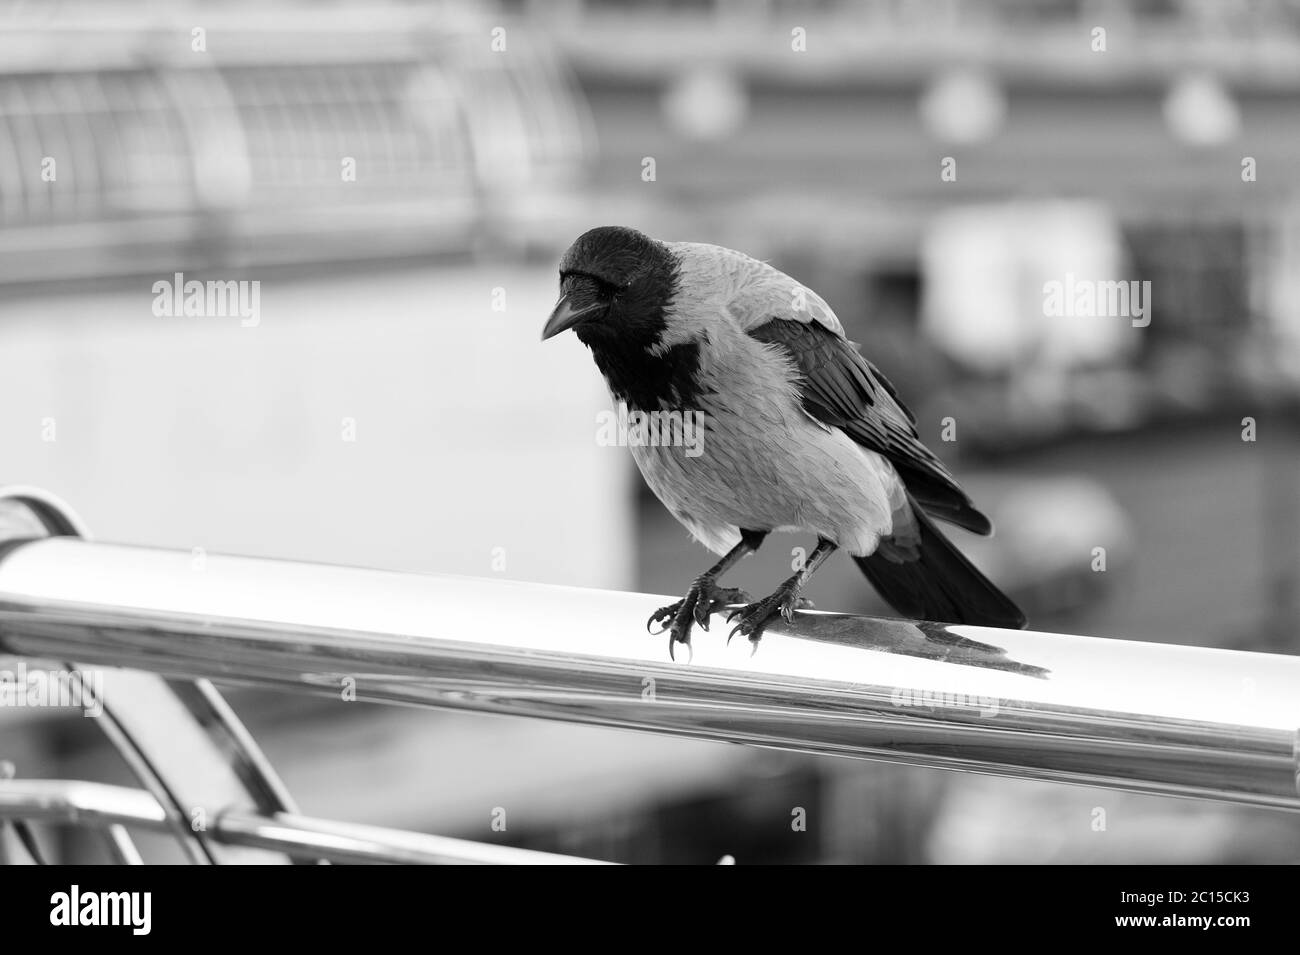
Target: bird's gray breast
x=728 y=466
x=747 y=456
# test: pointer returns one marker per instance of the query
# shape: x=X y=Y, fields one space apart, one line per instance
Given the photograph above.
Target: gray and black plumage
x=799 y=431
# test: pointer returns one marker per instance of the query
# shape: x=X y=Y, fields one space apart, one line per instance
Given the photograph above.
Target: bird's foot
x=704 y=599
x=754 y=618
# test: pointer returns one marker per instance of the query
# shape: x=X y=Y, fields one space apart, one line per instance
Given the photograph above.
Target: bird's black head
x=616 y=288
x=615 y=284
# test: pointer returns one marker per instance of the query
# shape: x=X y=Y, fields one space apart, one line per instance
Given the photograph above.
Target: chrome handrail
x=179 y=738
x=1158 y=718
x=110 y=808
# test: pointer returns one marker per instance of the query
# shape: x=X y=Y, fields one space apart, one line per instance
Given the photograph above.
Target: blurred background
x=401 y=180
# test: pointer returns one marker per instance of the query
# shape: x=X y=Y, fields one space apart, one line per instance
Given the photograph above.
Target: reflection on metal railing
x=1176 y=720
x=179 y=738
x=111 y=808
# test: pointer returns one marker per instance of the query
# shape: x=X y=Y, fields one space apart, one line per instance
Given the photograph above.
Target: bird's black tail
x=931 y=580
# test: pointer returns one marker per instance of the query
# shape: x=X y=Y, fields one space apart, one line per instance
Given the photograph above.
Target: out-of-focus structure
x=283 y=137
x=401 y=179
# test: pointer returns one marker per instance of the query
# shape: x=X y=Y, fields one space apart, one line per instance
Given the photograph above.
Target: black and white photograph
x=650 y=432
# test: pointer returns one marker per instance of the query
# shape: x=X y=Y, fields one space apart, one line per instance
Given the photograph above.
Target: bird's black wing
x=841 y=389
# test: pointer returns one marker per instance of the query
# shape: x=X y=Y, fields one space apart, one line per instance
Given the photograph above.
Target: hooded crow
x=797 y=431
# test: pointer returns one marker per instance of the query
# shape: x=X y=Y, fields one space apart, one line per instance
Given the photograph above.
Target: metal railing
x=1155 y=718
x=112 y=808
x=313 y=135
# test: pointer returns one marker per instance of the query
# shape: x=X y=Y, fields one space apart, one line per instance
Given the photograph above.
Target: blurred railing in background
x=310 y=135
x=113 y=811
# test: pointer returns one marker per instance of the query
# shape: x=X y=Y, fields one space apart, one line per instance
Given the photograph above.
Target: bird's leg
x=754 y=618
x=705 y=596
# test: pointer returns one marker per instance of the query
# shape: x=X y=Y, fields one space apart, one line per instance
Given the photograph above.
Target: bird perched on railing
x=797 y=431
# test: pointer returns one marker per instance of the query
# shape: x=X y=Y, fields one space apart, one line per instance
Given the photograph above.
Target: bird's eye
x=590 y=285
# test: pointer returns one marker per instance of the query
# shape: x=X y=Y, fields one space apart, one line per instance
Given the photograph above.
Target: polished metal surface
x=1154 y=718
x=348 y=842
x=95 y=805
x=121 y=848
x=113 y=808
x=179 y=738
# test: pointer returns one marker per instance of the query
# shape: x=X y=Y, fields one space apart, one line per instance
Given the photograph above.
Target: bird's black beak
x=567 y=314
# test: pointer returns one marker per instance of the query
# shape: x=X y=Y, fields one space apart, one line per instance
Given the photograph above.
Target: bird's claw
x=703 y=600
x=661 y=616
x=715 y=600
x=753 y=619
x=672 y=654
